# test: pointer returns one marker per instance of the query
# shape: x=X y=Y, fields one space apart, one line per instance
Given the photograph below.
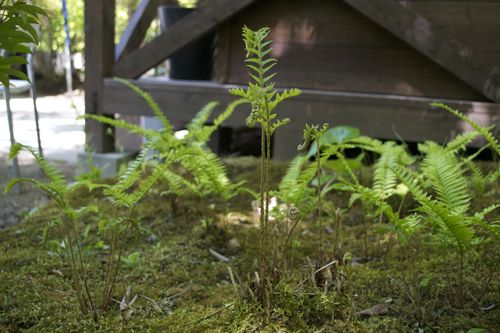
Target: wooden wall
x=327 y=45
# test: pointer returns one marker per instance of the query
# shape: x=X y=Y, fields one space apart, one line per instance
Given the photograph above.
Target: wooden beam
x=138 y=25
x=384 y=116
x=188 y=29
x=99 y=59
x=434 y=42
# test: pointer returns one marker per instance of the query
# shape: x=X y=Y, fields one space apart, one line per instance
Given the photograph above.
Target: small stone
x=234 y=244
x=376 y=310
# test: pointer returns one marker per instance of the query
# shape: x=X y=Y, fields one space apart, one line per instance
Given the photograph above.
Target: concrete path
x=61 y=134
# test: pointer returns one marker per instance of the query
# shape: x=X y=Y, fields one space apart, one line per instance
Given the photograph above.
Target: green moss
x=179 y=283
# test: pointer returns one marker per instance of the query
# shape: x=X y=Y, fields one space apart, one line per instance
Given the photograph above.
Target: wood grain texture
x=434 y=42
x=138 y=25
x=188 y=29
x=383 y=116
x=99 y=57
x=329 y=45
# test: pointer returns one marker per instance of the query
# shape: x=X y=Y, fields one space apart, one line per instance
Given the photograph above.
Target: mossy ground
x=183 y=288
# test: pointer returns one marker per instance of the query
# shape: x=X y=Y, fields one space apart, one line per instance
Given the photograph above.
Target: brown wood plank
x=475 y=23
x=434 y=42
x=138 y=25
x=384 y=116
x=375 y=70
x=99 y=57
x=346 y=51
x=193 y=26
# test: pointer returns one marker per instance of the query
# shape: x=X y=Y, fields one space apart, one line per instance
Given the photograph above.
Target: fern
x=384 y=179
x=461 y=141
x=120 y=123
x=56 y=178
x=152 y=105
x=206 y=169
x=261 y=93
x=57 y=189
x=446 y=178
x=294 y=187
x=484 y=131
x=196 y=124
x=201 y=134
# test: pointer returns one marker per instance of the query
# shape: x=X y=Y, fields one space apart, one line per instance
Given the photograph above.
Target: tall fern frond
x=367 y=143
x=201 y=133
x=152 y=104
x=446 y=178
x=294 y=186
x=461 y=141
x=199 y=120
x=384 y=179
x=145 y=185
x=137 y=162
x=485 y=132
x=120 y=123
x=261 y=93
x=207 y=169
x=56 y=178
x=49 y=188
x=177 y=184
x=412 y=182
x=452 y=226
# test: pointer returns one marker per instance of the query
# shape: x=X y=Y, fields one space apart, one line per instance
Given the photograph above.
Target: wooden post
x=99 y=60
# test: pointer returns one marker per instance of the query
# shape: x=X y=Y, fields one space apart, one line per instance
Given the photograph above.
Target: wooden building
x=372 y=64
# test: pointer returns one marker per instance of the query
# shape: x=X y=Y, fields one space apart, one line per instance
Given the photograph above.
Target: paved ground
x=62 y=135
x=62 y=138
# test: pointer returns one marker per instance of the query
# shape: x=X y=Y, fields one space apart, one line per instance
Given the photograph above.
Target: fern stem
x=318 y=191
x=108 y=268
x=262 y=260
x=84 y=271
x=75 y=277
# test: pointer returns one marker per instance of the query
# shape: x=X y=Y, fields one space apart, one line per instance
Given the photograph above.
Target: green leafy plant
x=131 y=188
x=443 y=196
x=17 y=30
x=316 y=133
x=67 y=222
x=189 y=166
x=263 y=98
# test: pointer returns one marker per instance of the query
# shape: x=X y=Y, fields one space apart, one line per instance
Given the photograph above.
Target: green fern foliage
x=445 y=175
x=384 y=179
x=261 y=93
x=484 y=131
x=56 y=184
x=201 y=169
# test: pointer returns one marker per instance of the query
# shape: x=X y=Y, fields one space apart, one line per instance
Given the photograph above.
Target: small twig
x=315 y=272
x=235 y=285
x=208 y=315
x=218 y=256
x=130 y=307
x=155 y=304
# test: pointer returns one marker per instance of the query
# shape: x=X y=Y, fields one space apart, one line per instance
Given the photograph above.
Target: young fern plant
x=263 y=98
x=67 y=222
x=313 y=132
x=126 y=195
x=203 y=173
x=444 y=200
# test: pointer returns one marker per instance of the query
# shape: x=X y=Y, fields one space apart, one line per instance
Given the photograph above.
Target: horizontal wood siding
x=325 y=44
x=384 y=116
